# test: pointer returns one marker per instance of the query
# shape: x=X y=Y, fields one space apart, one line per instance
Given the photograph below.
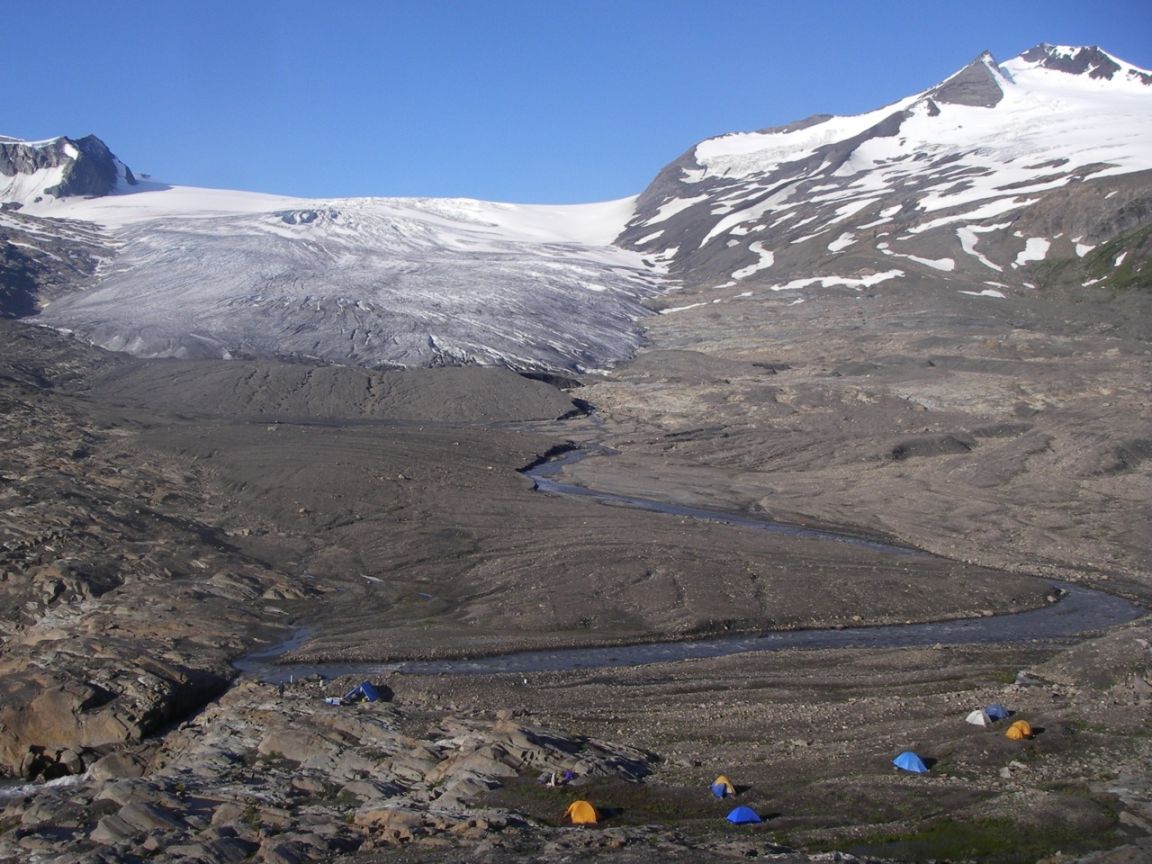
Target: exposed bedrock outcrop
x=43 y=259
x=89 y=167
x=55 y=722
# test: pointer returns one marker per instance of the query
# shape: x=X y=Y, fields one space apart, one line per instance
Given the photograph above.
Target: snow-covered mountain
x=979 y=182
x=999 y=166
x=58 y=168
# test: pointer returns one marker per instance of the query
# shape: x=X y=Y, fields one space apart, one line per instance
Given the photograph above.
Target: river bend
x=1080 y=611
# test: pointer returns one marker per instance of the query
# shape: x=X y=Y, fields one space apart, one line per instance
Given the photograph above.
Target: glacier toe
x=371 y=282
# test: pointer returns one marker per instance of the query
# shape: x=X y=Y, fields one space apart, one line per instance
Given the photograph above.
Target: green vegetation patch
x=995 y=841
x=1132 y=273
x=622 y=803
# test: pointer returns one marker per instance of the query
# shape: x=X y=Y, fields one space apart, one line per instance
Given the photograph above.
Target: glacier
x=372 y=282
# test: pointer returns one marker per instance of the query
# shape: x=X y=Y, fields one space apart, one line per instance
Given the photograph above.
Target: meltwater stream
x=1081 y=610
x=544 y=474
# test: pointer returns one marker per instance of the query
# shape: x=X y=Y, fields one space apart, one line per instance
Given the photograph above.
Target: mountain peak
x=978 y=84
x=61 y=167
x=1087 y=60
x=944 y=167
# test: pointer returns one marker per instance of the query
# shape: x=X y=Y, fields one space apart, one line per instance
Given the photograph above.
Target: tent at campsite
x=988 y=715
x=581 y=813
x=996 y=711
x=909 y=761
x=722 y=787
x=743 y=816
x=366 y=692
x=1019 y=730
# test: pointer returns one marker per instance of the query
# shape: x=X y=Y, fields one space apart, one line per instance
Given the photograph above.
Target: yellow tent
x=722 y=787
x=1019 y=730
x=581 y=813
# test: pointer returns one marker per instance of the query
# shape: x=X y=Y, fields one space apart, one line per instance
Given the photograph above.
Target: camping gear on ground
x=722 y=787
x=996 y=711
x=988 y=715
x=979 y=717
x=1019 y=730
x=581 y=813
x=909 y=761
x=553 y=780
x=366 y=692
x=743 y=816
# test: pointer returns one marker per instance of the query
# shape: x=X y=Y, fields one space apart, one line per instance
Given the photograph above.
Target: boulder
x=227 y=813
x=389 y=818
x=60 y=717
x=306 y=748
x=278 y=851
x=149 y=817
x=65 y=712
x=111 y=830
x=224 y=850
x=116 y=766
x=413 y=766
x=70 y=761
x=54 y=812
x=463 y=787
x=488 y=761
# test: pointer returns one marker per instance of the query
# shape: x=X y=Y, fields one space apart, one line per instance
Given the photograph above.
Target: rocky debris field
x=160 y=519
x=435 y=771
x=1010 y=432
x=280 y=774
x=241 y=389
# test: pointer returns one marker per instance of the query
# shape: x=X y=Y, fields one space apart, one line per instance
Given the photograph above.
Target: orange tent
x=581 y=813
x=1019 y=730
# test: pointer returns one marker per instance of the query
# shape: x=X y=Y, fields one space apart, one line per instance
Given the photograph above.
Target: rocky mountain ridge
x=1089 y=60
x=59 y=167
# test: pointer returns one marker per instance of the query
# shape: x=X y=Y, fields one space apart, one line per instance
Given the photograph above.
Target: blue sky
x=510 y=100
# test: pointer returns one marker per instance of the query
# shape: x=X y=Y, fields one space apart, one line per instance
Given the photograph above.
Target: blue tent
x=371 y=694
x=722 y=787
x=365 y=692
x=909 y=761
x=743 y=816
x=996 y=711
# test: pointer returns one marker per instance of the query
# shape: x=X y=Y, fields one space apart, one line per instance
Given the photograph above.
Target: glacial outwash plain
x=856 y=432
